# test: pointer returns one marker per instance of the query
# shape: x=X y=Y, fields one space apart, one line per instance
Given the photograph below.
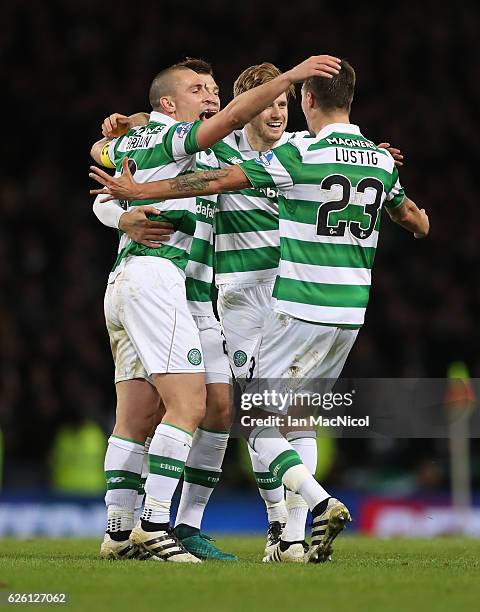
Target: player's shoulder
x=300 y=141
x=232 y=140
x=142 y=136
x=227 y=150
x=385 y=158
x=181 y=129
x=299 y=135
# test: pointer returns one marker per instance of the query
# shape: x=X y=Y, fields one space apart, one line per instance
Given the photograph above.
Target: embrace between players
x=296 y=223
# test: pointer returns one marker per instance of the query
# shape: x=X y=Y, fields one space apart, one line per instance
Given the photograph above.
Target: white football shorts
x=217 y=368
x=307 y=356
x=242 y=310
x=149 y=322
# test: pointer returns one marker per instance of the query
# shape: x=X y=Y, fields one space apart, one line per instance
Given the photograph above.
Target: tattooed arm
x=124 y=187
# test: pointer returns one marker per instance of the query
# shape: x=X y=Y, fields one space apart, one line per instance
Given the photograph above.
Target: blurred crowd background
x=67 y=64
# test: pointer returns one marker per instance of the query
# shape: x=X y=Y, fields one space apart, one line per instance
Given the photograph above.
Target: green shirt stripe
x=231 y=222
x=321 y=294
x=197 y=290
x=327 y=253
x=244 y=260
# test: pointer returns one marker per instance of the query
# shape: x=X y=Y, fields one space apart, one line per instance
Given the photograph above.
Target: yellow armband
x=105 y=158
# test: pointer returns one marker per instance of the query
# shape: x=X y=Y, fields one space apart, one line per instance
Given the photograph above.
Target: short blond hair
x=258 y=75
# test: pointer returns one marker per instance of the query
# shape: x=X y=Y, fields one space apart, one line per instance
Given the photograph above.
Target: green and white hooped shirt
x=246 y=225
x=199 y=270
x=332 y=188
x=162 y=149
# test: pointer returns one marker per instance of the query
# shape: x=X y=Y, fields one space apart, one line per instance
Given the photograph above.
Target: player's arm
x=269 y=170
x=245 y=106
x=114 y=126
x=134 y=223
x=124 y=187
x=108 y=213
x=100 y=152
x=410 y=217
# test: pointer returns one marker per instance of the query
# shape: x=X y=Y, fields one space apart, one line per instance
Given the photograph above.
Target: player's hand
x=122 y=187
x=395 y=153
x=116 y=125
x=426 y=223
x=141 y=229
x=317 y=65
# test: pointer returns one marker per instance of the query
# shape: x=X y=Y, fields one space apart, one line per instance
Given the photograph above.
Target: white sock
x=143 y=478
x=311 y=491
x=305 y=443
x=270 y=488
x=274 y=450
x=123 y=466
x=168 y=452
x=202 y=473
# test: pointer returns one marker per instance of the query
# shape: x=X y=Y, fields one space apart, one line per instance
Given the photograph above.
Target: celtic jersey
x=246 y=225
x=161 y=149
x=332 y=188
x=199 y=270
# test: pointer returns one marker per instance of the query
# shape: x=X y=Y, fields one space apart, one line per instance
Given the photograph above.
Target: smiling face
x=270 y=124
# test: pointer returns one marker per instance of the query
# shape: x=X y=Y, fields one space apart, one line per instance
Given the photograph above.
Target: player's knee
x=191 y=408
x=217 y=415
x=198 y=411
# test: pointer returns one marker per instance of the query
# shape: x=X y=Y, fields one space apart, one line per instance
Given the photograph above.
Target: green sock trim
x=165 y=466
x=205 y=478
x=179 y=428
x=122 y=479
x=128 y=440
x=284 y=462
x=267 y=481
x=217 y=431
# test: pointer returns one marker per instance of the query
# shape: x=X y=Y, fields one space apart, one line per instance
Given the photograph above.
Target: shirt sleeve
x=278 y=168
x=396 y=195
x=108 y=213
x=181 y=140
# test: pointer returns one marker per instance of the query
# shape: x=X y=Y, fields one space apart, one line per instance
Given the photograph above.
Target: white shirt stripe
x=246 y=240
x=308 y=233
x=325 y=274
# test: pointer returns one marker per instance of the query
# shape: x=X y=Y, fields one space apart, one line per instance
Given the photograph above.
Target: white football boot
x=325 y=528
x=111 y=549
x=295 y=553
x=162 y=544
x=274 y=533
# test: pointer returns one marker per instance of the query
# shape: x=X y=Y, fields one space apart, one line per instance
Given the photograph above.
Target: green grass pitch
x=366 y=574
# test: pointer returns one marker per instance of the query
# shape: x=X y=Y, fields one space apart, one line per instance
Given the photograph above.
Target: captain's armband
x=104 y=156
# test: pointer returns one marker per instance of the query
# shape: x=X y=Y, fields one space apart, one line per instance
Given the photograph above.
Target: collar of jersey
x=343 y=128
x=243 y=144
x=161 y=118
